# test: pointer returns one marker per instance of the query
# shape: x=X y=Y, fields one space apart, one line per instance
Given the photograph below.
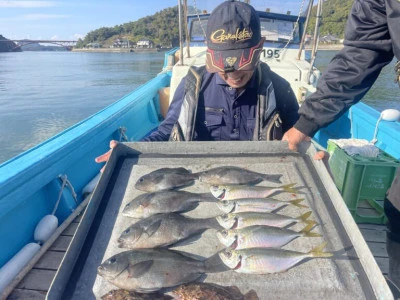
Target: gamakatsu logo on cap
x=231 y=60
x=221 y=36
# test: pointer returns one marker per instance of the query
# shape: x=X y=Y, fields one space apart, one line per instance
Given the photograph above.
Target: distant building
x=329 y=39
x=120 y=43
x=145 y=44
x=93 y=45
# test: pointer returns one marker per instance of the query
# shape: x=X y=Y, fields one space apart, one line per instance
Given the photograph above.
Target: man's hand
x=294 y=137
x=106 y=156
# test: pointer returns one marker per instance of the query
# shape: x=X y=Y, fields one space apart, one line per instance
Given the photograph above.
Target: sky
x=73 y=19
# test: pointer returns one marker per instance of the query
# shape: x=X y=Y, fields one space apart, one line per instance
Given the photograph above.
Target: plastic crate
x=362 y=181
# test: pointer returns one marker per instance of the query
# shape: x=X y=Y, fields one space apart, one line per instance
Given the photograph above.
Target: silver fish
x=267 y=260
x=235 y=175
x=149 y=270
x=255 y=205
x=259 y=236
x=163 y=230
x=241 y=220
x=231 y=192
x=149 y=204
x=165 y=179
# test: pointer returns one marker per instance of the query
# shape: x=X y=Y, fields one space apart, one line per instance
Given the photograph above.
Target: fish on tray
x=260 y=236
x=165 y=179
x=231 y=192
x=149 y=270
x=235 y=175
x=149 y=204
x=267 y=260
x=255 y=205
x=131 y=295
x=245 y=219
x=211 y=291
x=163 y=230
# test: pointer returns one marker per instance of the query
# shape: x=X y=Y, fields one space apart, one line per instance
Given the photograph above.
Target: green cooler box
x=363 y=182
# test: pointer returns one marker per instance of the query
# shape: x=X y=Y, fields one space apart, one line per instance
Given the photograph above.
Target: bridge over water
x=66 y=44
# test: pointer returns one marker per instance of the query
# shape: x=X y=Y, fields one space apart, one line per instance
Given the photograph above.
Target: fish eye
x=225 y=202
x=126 y=231
x=224 y=232
x=228 y=253
x=141 y=179
x=129 y=204
x=112 y=260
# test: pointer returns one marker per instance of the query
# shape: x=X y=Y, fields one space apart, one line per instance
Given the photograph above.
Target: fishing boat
x=45 y=190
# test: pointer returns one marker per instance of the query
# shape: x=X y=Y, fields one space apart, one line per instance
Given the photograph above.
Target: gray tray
x=351 y=273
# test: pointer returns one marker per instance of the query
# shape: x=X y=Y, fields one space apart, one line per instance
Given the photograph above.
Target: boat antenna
x=180 y=32
x=316 y=39
x=303 y=38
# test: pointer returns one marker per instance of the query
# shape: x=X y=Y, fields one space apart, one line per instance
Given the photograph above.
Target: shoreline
x=326 y=47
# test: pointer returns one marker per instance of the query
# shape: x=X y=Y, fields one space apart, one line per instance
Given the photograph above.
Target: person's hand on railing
x=106 y=156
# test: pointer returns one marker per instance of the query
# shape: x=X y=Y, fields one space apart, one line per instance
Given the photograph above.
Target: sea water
x=43 y=93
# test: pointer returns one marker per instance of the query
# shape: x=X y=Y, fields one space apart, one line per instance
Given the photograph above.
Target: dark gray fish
x=211 y=291
x=149 y=204
x=149 y=270
x=165 y=179
x=235 y=176
x=163 y=230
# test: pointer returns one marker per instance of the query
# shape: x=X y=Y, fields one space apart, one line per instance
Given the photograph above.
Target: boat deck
x=37 y=282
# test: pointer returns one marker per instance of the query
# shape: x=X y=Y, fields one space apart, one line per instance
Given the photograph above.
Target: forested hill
x=334 y=17
x=162 y=27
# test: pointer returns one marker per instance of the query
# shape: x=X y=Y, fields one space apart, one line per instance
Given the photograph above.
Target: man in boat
x=235 y=96
x=372 y=39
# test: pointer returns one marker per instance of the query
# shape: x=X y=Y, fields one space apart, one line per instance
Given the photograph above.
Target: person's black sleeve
x=352 y=72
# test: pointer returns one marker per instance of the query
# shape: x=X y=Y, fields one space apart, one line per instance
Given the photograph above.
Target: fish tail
x=318 y=251
x=213 y=223
x=296 y=202
x=289 y=188
x=306 y=231
x=304 y=217
x=273 y=177
x=207 y=197
x=214 y=264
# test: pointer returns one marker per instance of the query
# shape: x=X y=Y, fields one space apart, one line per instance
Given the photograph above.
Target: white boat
x=52 y=183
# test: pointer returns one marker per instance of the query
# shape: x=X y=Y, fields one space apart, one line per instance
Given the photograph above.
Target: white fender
x=16 y=264
x=45 y=228
x=91 y=185
x=390 y=115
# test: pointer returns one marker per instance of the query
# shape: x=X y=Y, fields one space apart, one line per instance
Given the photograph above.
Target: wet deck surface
x=37 y=282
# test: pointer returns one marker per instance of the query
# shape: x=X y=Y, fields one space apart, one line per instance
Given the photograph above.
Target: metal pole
x=309 y=9
x=180 y=33
x=316 y=40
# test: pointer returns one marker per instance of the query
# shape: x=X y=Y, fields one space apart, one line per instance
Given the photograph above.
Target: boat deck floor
x=37 y=282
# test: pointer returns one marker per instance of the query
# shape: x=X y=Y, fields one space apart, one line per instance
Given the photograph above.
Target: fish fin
x=272 y=177
x=305 y=216
x=296 y=202
x=139 y=269
x=289 y=188
x=153 y=228
x=318 y=251
x=306 y=231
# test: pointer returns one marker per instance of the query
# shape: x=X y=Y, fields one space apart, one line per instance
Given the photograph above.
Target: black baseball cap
x=234 y=39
